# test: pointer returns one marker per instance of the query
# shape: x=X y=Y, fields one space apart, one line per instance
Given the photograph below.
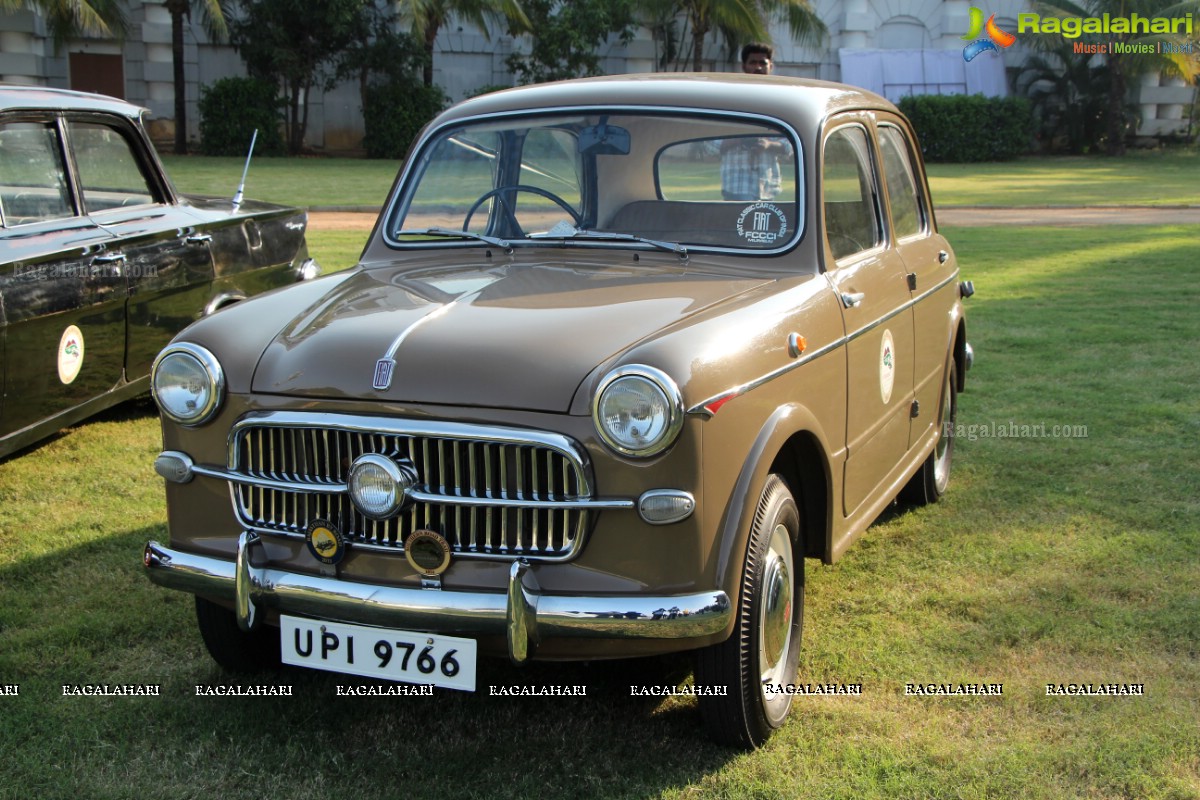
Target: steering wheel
x=520 y=187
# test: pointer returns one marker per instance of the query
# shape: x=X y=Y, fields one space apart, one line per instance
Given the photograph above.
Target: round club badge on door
x=887 y=367
x=70 y=354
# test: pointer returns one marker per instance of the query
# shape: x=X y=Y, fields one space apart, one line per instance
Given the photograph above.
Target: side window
x=901 y=182
x=851 y=216
x=33 y=184
x=549 y=162
x=108 y=168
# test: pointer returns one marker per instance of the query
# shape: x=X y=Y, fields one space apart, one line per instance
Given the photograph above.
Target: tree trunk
x=294 y=135
x=698 y=34
x=303 y=131
x=1116 y=106
x=178 y=10
x=431 y=32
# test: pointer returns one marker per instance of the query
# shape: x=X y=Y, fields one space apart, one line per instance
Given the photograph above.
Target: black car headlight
x=638 y=410
x=188 y=383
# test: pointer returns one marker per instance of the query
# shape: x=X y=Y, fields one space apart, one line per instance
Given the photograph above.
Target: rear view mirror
x=604 y=140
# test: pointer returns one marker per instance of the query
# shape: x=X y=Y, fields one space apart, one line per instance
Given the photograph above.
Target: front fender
x=792 y=431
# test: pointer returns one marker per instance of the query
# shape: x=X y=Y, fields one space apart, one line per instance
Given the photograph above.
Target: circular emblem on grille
x=325 y=541
x=428 y=552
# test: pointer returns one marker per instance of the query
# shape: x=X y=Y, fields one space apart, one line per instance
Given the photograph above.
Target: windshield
x=655 y=180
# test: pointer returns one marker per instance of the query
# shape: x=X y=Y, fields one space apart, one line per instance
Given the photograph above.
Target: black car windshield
x=694 y=180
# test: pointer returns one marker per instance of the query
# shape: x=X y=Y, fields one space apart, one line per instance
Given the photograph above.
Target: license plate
x=407 y=656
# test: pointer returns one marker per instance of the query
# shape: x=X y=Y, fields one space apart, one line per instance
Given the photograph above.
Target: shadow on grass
x=87 y=615
x=136 y=408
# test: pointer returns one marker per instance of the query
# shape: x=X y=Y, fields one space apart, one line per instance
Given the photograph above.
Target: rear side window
x=851 y=208
x=108 y=168
x=33 y=183
x=901 y=183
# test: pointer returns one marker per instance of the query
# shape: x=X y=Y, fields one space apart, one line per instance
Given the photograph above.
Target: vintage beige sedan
x=620 y=355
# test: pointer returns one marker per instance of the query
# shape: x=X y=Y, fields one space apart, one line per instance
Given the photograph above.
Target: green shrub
x=231 y=109
x=967 y=128
x=395 y=113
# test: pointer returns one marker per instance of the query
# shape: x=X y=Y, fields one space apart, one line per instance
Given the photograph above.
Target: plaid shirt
x=751 y=172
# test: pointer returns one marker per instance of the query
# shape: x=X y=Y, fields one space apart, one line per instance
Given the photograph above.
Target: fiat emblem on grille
x=428 y=552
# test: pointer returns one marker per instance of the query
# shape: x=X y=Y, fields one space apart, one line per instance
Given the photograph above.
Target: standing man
x=750 y=167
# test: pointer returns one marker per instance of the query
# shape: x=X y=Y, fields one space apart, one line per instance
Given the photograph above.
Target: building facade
x=893 y=47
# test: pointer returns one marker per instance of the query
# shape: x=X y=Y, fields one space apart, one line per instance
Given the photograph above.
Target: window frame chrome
x=403 y=192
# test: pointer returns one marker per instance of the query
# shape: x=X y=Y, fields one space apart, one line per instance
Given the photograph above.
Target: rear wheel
x=230 y=646
x=764 y=650
x=931 y=480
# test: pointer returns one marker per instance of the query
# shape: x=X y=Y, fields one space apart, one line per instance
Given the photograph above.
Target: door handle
x=113 y=263
x=199 y=238
x=852 y=299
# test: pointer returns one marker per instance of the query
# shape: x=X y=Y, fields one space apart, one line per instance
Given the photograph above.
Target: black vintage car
x=102 y=261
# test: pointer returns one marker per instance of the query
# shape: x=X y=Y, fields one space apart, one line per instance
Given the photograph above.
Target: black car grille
x=496 y=495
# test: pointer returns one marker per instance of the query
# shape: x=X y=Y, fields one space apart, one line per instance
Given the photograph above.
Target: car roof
x=13 y=97
x=801 y=102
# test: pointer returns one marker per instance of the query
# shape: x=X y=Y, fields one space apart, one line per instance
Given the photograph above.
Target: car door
x=64 y=334
x=930 y=265
x=870 y=281
x=164 y=259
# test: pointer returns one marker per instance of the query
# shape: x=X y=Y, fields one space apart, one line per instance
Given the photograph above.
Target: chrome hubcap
x=941 y=462
x=776 y=614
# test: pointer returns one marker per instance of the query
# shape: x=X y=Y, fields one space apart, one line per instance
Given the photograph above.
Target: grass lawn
x=1165 y=177
x=308 y=182
x=1053 y=559
x=336 y=250
x=1151 y=178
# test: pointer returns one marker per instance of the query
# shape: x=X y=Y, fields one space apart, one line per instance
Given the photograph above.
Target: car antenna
x=237 y=196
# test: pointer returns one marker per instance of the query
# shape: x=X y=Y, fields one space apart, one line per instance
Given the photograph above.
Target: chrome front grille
x=491 y=492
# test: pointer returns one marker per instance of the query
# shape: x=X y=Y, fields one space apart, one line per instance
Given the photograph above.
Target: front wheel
x=760 y=659
x=230 y=646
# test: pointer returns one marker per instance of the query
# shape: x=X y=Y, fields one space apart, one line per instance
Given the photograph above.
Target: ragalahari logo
x=994 y=37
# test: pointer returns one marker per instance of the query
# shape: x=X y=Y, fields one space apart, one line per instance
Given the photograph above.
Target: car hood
x=515 y=335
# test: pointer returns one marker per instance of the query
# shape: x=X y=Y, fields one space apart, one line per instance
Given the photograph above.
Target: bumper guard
x=523 y=614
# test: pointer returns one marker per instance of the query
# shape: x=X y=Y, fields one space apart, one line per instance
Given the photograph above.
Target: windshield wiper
x=566 y=232
x=449 y=232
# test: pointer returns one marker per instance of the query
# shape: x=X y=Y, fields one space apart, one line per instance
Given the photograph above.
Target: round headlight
x=188 y=383
x=638 y=411
x=378 y=486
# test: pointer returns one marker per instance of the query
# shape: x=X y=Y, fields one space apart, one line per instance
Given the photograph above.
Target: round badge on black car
x=325 y=541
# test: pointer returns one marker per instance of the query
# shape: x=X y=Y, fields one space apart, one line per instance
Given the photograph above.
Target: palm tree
x=428 y=16
x=747 y=20
x=1123 y=67
x=67 y=19
x=728 y=15
x=1068 y=92
x=213 y=17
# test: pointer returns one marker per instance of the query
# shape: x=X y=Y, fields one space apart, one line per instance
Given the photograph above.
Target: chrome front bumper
x=523 y=614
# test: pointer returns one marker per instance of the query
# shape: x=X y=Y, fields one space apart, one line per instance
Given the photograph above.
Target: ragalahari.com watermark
x=1015 y=430
x=59 y=272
